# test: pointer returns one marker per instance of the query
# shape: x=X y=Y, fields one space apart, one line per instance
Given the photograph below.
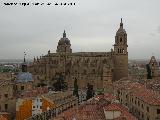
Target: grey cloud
x=90 y=23
x=158 y=30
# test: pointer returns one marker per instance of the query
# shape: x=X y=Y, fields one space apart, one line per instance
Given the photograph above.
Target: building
x=24 y=81
x=97 y=108
x=61 y=101
x=7 y=99
x=142 y=102
x=97 y=68
x=27 y=107
x=153 y=64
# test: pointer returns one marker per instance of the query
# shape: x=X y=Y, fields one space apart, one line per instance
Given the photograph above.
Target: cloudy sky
x=90 y=25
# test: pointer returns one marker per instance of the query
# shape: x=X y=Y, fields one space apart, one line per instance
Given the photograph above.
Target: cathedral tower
x=154 y=68
x=120 y=54
x=64 y=45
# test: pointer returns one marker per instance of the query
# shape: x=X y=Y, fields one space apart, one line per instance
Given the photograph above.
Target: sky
x=90 y=25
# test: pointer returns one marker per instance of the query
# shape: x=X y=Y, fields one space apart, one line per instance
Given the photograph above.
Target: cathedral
x=97 y=68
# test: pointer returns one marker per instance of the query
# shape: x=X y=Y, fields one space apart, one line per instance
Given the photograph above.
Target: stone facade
x=97 y=68
x=7 y=99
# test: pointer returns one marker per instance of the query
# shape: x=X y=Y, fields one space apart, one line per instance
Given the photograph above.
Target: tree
x=90 y=91
x=75 y=91
x=60 y=84
x=148 y=72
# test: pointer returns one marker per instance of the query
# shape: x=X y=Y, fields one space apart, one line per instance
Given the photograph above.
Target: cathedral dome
x=24 y=77
x=64 y=40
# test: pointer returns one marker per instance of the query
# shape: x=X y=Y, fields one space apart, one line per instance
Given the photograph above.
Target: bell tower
x=120 y=54
x=154 y=68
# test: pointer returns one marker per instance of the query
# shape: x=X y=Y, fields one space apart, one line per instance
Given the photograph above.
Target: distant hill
x=6 y=61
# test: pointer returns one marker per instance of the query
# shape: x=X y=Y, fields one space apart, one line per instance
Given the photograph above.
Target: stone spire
x=64 y=34
x=121 y=24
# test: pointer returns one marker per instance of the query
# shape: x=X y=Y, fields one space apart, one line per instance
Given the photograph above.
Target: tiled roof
x=147 y=95
x=84 y=112
x=35 y=92
x=124 y=111
x=113 y=107
x=139 y=90
x=2 y=117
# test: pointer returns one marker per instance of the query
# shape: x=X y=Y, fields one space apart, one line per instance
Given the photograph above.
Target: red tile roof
x=124 y=111
x=139 y=90
x=147 y=95
x=2 y=117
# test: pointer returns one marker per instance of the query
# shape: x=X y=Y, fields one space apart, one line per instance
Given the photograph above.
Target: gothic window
x=120 y=39
x=122 y=50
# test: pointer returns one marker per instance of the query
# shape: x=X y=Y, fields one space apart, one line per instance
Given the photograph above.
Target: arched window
x=123 y=51
x=120 y=39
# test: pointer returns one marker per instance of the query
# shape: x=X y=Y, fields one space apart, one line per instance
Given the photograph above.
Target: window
x=147 y=109
x=158 y=111
x=142 y=115
x=120 y=39
x=33 y=106
x=6 y=106
x=6 y=95
x=126 y=96
x=123 y=51
x=135 y=102
x=142 y=105
x=22 y=87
